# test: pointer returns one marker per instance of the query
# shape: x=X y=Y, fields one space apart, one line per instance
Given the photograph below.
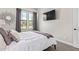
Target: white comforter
x=30 y=41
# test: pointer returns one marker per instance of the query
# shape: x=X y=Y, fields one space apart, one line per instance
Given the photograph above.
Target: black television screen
x=51 y=15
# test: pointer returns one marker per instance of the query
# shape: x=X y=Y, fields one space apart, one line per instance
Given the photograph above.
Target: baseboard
x=68 y=43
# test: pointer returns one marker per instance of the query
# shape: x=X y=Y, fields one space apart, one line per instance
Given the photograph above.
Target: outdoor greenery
x=25 y=24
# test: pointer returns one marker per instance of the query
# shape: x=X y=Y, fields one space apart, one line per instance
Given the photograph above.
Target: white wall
x=13 y=12
x=61 y=27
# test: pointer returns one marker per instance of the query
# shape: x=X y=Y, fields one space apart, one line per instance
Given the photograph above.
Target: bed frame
x=54 y=47
x=51 y=46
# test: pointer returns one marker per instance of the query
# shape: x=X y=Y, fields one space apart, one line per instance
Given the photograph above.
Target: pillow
x=5 y=36
x=2 y=43
x=14 y=35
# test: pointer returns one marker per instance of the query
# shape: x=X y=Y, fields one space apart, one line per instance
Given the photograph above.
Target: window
x=26 y=20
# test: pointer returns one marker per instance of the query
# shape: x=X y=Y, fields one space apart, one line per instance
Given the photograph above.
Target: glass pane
x=23 y=25
x=30 y=20
x=23 y=21
x=23 y=15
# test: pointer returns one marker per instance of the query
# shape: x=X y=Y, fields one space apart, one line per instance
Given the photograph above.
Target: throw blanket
x=45 y=34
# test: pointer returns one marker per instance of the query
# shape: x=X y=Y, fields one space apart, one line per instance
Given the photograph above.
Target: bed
x=30 y=41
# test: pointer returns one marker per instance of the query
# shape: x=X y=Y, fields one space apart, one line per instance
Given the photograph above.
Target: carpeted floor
x=62 y=47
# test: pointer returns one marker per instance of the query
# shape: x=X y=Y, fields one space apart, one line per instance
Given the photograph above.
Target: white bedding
x=30 y=41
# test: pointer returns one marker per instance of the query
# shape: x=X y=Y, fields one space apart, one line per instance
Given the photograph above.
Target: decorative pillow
x=14 y=35
x=2 y=42
x=5 y=36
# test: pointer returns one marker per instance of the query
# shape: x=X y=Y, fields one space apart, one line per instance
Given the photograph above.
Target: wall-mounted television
x=50 y=15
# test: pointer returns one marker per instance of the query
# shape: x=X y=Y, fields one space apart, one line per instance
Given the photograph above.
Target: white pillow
x=2 y=43
x=15 y=34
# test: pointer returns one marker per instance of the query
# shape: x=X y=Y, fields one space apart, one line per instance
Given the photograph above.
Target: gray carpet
x=62 y=47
